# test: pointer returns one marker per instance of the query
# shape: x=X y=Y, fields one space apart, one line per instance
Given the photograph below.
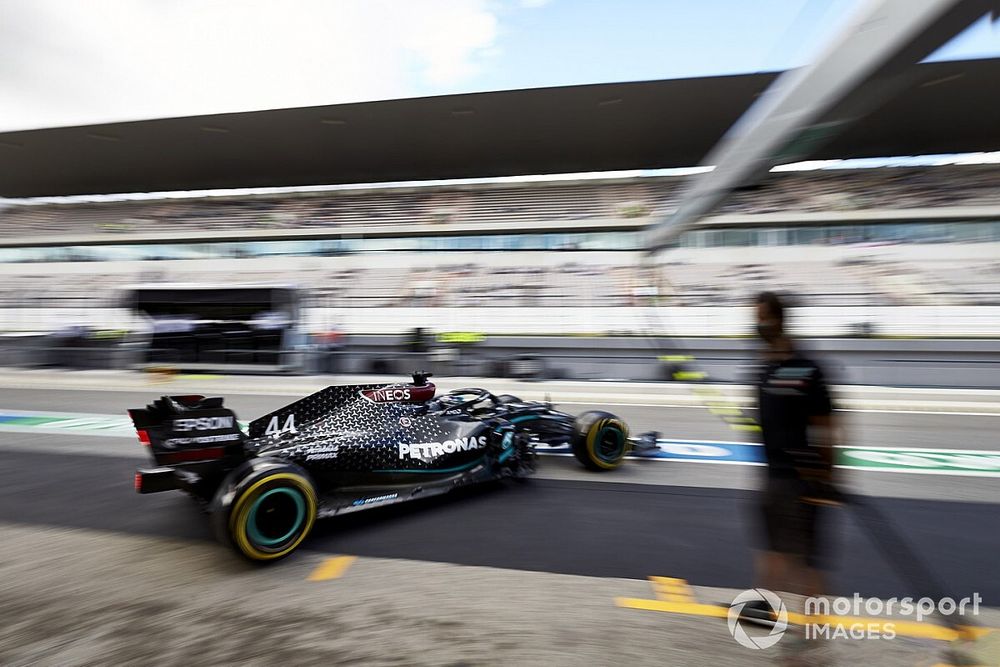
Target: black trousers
x=792 y=526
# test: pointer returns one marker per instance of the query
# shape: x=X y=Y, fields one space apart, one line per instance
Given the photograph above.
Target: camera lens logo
x=768 y=603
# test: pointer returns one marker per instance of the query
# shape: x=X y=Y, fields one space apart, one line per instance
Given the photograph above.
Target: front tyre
x=271 y=514
x=600 y=440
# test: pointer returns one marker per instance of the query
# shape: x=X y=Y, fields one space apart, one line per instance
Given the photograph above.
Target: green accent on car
x=619 y=436
x=253 y=532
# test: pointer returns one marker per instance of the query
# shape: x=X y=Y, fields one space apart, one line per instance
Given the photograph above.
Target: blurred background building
x=501 y=213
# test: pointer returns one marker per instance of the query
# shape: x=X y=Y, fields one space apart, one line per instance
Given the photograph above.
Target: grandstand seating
x=695 y=277
x=891 y=188
x=822 y=274
x=485 y=205
x=524 y=204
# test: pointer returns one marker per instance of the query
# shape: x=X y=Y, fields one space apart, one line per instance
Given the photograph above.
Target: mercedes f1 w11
x=352 y=447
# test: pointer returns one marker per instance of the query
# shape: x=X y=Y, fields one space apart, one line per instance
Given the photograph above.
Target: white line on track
x=663 y=459
x=60 y=413
x=922 y=471
x=921 y=450
x=757 y=464
x=709 y=407
x=922 y=412
x=48 y=430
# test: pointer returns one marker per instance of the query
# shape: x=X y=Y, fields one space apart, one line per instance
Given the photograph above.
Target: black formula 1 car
x=352 y=447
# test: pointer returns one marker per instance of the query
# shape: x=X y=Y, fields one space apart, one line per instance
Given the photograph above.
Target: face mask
x=768 y=331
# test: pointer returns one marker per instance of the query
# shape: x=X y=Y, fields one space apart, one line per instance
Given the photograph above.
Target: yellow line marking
x=744 y=427
x=689 y=375
x=903 y=628
x=690 y=608
x=331 y=568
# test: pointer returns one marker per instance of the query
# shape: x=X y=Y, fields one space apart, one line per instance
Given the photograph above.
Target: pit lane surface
x=679 y=520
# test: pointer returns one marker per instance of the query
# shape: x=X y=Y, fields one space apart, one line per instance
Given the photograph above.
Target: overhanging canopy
x=645 y=125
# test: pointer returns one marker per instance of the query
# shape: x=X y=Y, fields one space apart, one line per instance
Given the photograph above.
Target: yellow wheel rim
x=239 y=517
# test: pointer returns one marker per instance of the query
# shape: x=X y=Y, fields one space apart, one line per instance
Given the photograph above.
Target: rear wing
x=190 y=429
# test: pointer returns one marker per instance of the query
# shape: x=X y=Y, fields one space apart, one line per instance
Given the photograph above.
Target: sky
x=78 y=62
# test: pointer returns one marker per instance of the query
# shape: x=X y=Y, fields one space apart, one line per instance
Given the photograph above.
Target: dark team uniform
x=789 y=393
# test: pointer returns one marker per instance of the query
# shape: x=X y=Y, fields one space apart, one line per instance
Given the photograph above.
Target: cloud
x=449 y=39
x=66 y=62
x=532 y=4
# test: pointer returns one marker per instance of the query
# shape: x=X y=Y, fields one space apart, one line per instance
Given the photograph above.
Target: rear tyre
x=271 y=515
x=600 y=440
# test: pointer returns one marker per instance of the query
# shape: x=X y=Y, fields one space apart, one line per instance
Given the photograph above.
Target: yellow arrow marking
x=670 y=589
x=740 y=420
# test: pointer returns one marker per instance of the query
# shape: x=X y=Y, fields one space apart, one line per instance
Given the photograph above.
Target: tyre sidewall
x=232 y=522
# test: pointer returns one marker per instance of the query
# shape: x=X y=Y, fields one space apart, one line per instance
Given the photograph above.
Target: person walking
x=795 y=412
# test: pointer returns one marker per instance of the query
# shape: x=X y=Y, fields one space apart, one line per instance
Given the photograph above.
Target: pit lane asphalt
x=564 y=521
x=593 y=528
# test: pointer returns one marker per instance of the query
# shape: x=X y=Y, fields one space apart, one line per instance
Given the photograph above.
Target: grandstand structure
x=530 y=256
x=836 y=238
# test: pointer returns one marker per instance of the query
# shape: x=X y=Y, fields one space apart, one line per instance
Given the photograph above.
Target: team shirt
x=789 y=392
